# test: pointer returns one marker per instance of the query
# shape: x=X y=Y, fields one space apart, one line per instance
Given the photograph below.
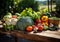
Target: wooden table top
x=45 y=36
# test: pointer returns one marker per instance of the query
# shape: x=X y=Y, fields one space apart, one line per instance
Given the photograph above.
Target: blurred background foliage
x=17 y=6
x=14 y=6
x=26 y=4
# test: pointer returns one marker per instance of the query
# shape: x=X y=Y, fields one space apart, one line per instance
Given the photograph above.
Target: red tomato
x=14 y=16
x=29 y=28
x=40 y=28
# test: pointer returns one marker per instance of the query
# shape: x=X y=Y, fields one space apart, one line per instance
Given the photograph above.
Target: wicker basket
x=55 y=22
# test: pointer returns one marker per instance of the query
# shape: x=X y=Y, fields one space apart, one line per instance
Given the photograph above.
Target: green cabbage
x=23 y=22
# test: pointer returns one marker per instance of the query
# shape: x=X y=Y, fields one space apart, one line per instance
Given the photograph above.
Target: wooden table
x=45 y=36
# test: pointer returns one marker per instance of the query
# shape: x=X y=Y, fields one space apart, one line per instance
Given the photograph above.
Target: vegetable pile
x=28 y=20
